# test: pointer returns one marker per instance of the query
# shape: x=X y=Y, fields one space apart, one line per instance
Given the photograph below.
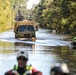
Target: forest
x=5 y=15
x=59 y=15
x=8 y=11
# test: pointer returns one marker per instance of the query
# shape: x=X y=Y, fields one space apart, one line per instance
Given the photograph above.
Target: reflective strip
x=31 y=67
x=28 y=68
x=15 y=72
x=24 y=74
x=16 y=67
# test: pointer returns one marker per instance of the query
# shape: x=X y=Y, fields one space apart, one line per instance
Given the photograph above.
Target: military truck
x=25 y=29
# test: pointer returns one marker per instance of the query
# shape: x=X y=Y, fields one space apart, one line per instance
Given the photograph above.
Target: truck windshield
x=22 y=28
x=30 y=28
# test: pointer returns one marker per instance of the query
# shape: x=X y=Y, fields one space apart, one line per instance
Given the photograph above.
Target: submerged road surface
x=47 y=50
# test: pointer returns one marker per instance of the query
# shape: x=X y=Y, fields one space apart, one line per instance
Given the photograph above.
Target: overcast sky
x=31 y=2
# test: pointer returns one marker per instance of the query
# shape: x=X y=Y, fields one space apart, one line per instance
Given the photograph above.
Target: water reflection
x=6 y=47
x=40 y=56
x=68 y=56
x=24 y=46
x=62 y=54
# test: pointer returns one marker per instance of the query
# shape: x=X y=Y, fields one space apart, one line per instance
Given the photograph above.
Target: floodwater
x=47 y=50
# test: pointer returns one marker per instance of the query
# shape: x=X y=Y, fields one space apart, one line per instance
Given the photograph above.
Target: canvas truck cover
x=24 y=22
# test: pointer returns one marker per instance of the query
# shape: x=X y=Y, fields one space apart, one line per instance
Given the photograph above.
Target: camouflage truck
x=25 y=29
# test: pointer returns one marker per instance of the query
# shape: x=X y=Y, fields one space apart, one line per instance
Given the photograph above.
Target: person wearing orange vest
x=23 y=68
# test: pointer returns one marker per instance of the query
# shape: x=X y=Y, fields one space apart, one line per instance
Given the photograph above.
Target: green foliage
x=19 y=5
x=8 y=10
x=57 y=14
x=5 y=15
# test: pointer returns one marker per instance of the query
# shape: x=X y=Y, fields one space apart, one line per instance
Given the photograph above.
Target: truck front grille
x=27 y=35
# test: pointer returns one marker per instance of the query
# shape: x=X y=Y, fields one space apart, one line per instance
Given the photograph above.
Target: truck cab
x=25 y=29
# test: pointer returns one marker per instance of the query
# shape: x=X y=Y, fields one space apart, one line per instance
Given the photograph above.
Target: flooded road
x=47 y=50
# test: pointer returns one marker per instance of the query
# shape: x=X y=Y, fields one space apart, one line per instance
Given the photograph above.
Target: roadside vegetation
x=5 y=15
x=59 y=15
x=8 y=11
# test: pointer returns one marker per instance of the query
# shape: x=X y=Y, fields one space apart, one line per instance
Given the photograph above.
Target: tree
x=8 y=10
x=57 y=14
